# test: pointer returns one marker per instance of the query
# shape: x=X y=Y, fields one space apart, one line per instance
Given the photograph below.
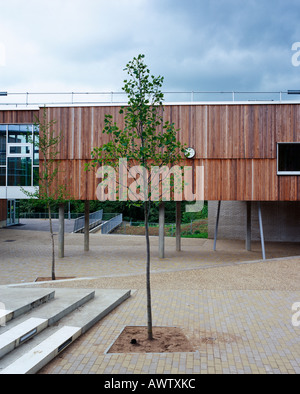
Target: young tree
x=145 y=141
x=48 y=190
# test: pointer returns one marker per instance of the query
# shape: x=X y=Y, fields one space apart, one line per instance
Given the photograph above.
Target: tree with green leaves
x=49 y=190
x=145 y=140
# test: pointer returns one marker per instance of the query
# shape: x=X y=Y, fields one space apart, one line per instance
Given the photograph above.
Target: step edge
x=12 y=339
x=35 y=359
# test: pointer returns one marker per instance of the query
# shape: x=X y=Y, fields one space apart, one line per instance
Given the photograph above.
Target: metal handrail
x=95 y=218
x=26 y=99
x=110 y=225
x=43 y=215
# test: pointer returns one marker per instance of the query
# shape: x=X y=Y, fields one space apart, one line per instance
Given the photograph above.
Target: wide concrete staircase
x=38 y=324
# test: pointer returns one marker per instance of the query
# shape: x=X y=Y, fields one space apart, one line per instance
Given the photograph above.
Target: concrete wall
x=281 y=221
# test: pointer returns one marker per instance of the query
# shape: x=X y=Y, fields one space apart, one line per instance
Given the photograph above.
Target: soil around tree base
x=166 y=340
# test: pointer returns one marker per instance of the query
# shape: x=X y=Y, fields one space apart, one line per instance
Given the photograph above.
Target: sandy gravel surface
x=121 y=263
x=282 y=275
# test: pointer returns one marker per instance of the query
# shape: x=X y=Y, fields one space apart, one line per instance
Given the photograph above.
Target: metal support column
x=61 y=232
x=217 y=225
x=86 y=226
x=261 y=230
x=248 y=226
x=161 y=230
x=178 y=226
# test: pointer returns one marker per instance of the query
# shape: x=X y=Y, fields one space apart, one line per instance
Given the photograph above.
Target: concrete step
x=35 y=359
x=17 y=331
x=15 y=302
x=16 y=336
x=70 y=312
x=63 y=302
x=104 y=302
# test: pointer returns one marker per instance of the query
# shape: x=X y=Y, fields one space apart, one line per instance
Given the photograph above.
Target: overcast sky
x=84 y=45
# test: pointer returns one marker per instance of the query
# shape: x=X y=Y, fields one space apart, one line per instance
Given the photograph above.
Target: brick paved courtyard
x=235 y=309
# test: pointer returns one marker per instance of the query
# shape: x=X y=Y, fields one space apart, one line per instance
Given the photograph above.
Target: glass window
x=288 y=159
x=36 y=150
x=19 y=155
x=2 y=145
x=36 y=176
x=19 y=171
x=2 y=176
x=19 y=150
x=19 y=134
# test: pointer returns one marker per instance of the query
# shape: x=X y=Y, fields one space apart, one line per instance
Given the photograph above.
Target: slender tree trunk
x=52 y=241
x=148 y=285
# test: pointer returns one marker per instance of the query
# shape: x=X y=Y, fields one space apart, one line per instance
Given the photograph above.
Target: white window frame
x=9 y=154
x=291 y=173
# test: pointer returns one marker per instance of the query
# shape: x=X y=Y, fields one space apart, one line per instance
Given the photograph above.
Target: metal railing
x=26 y=99
x=194 y=227
x=94 y=220
x=43 y=215
x=111 y=224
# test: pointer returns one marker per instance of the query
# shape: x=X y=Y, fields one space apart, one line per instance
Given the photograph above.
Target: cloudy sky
x=84 y=45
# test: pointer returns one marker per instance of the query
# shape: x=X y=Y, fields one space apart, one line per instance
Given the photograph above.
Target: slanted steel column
x=178 y=226
x=217 y=225
x=86 y=226
x=261 y=230
x=61 y=232
x=161 y=247
x=248 y=225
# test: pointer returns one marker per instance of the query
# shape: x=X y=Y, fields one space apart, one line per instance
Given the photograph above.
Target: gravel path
x=282 y=275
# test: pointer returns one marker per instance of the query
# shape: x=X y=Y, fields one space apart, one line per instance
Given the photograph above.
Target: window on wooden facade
x=288 y=158
x=19 y=157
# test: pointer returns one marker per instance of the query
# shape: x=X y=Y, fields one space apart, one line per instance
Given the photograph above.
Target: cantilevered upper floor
x=249 y=149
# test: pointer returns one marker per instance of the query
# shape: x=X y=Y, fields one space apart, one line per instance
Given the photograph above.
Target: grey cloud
x=194 y=44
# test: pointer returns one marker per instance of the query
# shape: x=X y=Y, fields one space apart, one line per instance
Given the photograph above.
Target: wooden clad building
x=250 y=151
x=17 y=116
x=236 y=143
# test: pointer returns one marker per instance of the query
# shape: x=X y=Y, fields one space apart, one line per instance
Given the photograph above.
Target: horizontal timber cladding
x=236 y=144
x=19 y=116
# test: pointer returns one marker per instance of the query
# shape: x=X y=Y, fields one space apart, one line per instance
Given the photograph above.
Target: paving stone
x=253 y=327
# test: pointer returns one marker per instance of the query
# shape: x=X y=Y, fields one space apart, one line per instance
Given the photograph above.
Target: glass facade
x=19 y=134
x=2 y=176
x=19 y=171
x=12 y=213
x=19 y=155
x=2 y=145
